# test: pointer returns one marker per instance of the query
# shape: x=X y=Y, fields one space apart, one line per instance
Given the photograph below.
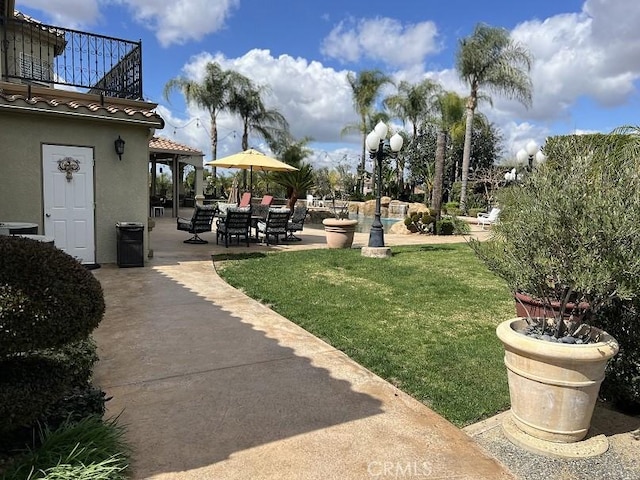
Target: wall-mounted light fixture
x=119 y=144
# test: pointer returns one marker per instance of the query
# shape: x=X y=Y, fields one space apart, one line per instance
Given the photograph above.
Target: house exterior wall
x=121 y=186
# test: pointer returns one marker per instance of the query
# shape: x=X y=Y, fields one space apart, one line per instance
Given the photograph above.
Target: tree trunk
x=214 y=149
x=466 y=159
x=436 y=202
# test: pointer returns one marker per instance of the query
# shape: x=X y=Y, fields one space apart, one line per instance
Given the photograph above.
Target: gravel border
x=620 y=462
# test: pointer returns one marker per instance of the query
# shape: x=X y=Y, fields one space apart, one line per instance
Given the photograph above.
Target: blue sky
x=585 y=73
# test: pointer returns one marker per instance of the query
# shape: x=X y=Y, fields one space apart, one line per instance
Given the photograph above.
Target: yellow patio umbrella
x=252 y=160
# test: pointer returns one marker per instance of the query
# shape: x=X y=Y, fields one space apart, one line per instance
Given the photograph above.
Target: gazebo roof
x=161 y=145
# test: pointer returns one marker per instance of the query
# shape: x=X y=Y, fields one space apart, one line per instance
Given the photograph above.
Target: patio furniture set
x=243 y=219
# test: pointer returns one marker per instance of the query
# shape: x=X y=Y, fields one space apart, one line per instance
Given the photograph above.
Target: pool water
x=364 y=223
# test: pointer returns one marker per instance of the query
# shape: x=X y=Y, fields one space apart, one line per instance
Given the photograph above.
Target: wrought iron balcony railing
x=35 y=53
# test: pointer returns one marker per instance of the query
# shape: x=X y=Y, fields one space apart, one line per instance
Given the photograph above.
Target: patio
x=168 y=247
x=213 y=384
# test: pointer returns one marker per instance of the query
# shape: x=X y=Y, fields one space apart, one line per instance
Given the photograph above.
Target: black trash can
x=130 y=244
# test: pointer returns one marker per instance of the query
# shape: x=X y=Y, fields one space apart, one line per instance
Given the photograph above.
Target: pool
x=364 y=223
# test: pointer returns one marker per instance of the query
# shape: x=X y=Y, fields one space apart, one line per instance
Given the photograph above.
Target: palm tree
x=297 y=183
x=246 y=101
x=490 y=59
x=412 y=103
x=212 y=94
x=450 y=107
x=365 y=89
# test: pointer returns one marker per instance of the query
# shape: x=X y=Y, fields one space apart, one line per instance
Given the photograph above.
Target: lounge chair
x=488 y=218
x=296 y=223
x=267 y=200
x=275 y=224
x=199 y=222
x=245 y=201
x=235 y=224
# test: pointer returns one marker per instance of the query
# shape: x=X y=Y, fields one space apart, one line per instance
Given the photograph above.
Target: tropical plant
x=568 y=233
x=365 y=87
x=450 y=117
x=413 y=103
x=212 y=94
x=490 y=59
x=298 y=182
x=247 y=102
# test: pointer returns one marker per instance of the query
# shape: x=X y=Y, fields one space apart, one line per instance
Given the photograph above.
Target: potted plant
x=339 y=229
x=567 y=237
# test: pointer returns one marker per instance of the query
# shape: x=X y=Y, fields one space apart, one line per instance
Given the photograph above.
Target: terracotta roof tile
x=93 y=107
x=164 y=144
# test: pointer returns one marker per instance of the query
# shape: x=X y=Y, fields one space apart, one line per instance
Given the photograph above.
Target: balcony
x=44 y=55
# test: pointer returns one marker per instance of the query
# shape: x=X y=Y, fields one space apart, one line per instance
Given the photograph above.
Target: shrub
x=49 y=304
x=420 y=222
x=44 y=383
x=621 y=385
x=451 y=208
x=47 y=298
x=445 y=226
x=572 y=226
x=27 y=385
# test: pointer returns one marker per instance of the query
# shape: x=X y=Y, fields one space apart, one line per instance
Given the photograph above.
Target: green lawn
x=424 y=319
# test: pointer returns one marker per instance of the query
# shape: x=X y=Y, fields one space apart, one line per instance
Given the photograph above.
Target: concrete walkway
x=214 y=385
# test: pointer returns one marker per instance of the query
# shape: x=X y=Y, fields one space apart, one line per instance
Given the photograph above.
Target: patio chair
x=275 y=224
x=199 y=222
x=222 y=207
x=488 y=218
x=267 y=200
x=235 y=224
x=296 y=223
x=245 y=201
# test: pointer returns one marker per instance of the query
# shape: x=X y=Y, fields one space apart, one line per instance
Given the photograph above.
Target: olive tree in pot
x=339 y=229
x=567 y=234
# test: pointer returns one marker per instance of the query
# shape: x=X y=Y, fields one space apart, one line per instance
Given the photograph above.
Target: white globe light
x=522 y=157
x=381 y=129
x=531 y=148
x=540 y=157
x=373 y=141
x=395 y=142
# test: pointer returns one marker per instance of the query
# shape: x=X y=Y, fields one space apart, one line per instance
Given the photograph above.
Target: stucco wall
x=121 y=187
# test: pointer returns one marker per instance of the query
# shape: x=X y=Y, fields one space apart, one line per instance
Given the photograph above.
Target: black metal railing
x=40 y=54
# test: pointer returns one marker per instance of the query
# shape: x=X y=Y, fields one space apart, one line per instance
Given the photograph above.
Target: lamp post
x=379 y=148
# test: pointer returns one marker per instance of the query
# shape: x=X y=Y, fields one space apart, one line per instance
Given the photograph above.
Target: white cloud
x=589 y=54
x=381 y=39
x=70 y=13
x=182 y=21
x=315 y=99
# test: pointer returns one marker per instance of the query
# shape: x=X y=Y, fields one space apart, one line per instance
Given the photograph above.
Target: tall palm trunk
x=436 y=197
x=214 y=150
x=363 y=158
x=466 y=153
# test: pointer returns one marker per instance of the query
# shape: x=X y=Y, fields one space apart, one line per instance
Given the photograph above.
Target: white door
x=68 y=199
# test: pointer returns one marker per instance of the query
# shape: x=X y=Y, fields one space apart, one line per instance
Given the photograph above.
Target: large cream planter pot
x=339 y=232
x=553 y=386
